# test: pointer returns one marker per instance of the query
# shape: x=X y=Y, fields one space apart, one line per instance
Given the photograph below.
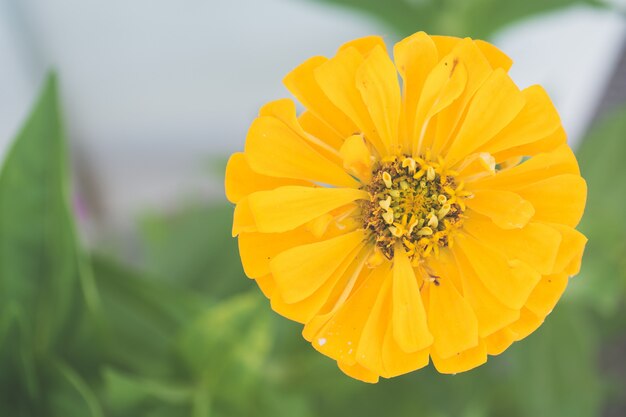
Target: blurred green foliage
x=186 y=334
x=475 y=18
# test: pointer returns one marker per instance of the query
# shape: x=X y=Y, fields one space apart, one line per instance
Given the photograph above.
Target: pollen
x=415 y=203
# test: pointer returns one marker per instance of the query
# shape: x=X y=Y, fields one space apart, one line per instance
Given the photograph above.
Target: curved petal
x=369 y=352
x=357 y=158
x=415 y=57
x=286 y=208
x=505 y=208
x=510 y=281
x=243 y=220
x=241 y=180
x=461 y=362
x=496 y=58
x=377 y=80
x=338 y=338
x=526 y=324
x=356 y=371
x=398 y=362
x=304 y=310
x=274 y=149
x=285 y=111
x=337 y=79
x=546 y=294
x=478 y=70
x=491 y=313
x=315 y=126
x=258 y=249
x=266 y=284
x=445 y=83
x=365 y=45
x=537 y=119
x=560 y=199
x=495 y=105
x=302 y=84
x=410 y=327
x=536 y=244
x=559 y=161
x=451 y=320
x=571 y=250
x=300 y=271
x=498 y=342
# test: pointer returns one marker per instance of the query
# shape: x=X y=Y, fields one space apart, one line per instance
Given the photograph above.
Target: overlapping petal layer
x=302 y=189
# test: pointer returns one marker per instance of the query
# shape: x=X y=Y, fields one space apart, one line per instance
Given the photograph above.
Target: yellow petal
x=302 y=84
x=377 y=80
x=286 y=208
x=511 y=281
x=478 y=69
x=560 y=160
x=410 y=328
x=493 y=107
x=571 y=249
x=300 y=271
x=415 y=58
x=545 y=144
x=285 y=111
x=370 y=346
x=266 y=284
x=506 y=209
x=398 y=362
x=560 y=199
x=274 y=149
x=526 y=324
x=445 y=83
x=496 y=58
x=546 y=294
x=356 y=371
x=536 y=244
x=258 y=249
x=498 y=342
x=241 y=180
x=492 y=315
x=364 y=45
x=537 y=119
x=357 y=157
x=304 y=310
x=318 y=128
x=337 y=78
x=461 y=362
x=451 y=320
x=339 y=337
x=243 y=220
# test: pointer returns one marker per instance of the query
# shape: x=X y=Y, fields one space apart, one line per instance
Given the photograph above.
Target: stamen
x=414 y=202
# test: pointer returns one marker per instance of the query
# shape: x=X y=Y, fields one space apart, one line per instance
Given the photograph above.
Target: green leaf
x=142 y=317
x=194 y=247
x=475 y=18
x=71 y=396
x=558 y=360
x=602 y=281
x=126 y=391
x=39 y=255
x=226 y=349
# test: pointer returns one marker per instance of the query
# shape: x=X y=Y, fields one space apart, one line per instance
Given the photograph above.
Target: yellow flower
x=432 y=218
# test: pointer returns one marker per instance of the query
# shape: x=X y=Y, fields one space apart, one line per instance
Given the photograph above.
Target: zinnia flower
x=401 y=221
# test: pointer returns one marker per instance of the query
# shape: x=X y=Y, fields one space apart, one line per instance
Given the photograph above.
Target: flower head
x=432 y=218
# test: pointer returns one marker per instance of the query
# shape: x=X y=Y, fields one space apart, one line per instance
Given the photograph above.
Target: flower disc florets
x=414 y=203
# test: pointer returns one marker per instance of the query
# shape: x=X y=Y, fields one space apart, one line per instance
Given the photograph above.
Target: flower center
x=414 y=203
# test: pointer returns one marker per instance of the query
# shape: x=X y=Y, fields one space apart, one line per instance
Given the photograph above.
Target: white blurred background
x=155 y=90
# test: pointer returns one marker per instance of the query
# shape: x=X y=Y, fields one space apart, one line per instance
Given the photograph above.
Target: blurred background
x=121 y=291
